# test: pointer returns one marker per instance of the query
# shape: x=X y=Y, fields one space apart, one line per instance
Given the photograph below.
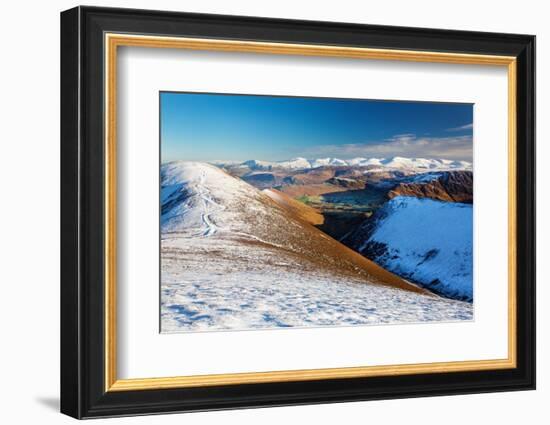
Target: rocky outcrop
x=452 y=186
x=346 y=183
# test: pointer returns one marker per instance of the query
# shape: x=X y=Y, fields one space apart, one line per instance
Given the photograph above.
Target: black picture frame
x=83 y=392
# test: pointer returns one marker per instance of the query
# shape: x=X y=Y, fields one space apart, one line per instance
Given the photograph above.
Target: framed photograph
x=261 y=212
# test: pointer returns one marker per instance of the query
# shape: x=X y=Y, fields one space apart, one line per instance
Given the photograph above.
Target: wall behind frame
x=29 y=219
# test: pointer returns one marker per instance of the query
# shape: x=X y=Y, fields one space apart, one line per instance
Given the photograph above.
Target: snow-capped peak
x=295 y=163
x=399 y=162
x=396 y=162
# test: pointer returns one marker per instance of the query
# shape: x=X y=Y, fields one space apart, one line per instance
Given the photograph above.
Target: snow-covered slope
x=233 y=258
x=195 y=196
x=427 y=241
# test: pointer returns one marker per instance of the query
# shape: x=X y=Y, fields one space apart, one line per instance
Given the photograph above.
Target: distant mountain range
x=396 y=162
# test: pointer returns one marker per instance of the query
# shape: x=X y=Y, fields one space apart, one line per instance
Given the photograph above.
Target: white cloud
x=462 y=127
x=408 y=145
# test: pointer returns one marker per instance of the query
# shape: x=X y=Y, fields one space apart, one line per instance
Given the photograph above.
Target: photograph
x=297 y=212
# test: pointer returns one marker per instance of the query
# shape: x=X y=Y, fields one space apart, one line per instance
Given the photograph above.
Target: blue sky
x=207 y=127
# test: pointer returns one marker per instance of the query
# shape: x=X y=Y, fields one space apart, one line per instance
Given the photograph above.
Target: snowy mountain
x=291 y=164
x=357 y=161
x=424 y=164
x=397 y=163
x=324 y=162
x=427 y=241
x=234 y=257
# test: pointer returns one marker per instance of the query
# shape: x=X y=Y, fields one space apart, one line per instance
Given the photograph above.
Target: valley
x=355 y=197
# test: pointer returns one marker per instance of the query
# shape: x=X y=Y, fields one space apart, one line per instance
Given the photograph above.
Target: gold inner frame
x=113 y=41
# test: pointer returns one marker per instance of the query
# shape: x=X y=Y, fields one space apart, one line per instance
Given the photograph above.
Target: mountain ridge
x=218 y=204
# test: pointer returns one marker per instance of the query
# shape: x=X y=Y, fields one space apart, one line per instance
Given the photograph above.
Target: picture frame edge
x=83 y=395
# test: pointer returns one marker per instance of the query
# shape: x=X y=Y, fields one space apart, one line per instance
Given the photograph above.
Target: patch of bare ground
x=298 y=209
x=313 y=176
